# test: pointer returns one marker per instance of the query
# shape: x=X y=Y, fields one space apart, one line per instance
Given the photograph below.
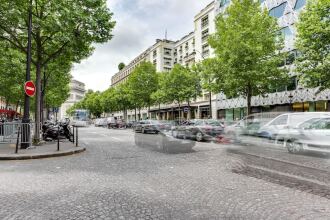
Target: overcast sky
x=139 y=24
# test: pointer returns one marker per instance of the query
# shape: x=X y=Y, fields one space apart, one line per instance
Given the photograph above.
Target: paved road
x=115 y=179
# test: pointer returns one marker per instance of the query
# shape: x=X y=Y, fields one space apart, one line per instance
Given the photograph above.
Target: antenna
x=166 y=34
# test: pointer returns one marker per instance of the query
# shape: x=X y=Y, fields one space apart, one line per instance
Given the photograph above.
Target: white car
x=311 y=135
x=100 y=122
x=279 y=127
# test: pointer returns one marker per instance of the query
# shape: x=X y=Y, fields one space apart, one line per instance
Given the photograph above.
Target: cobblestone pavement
x=114 y=179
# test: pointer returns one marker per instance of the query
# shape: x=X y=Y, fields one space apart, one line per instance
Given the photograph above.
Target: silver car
x=311 y=135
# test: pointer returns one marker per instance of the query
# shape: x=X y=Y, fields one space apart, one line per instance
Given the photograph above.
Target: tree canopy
x=248 y=46
x=313 y=44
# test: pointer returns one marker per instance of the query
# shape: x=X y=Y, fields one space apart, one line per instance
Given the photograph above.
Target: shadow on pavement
x=164 y=142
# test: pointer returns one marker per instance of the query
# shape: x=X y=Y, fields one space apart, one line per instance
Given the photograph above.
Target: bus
x=80 y=118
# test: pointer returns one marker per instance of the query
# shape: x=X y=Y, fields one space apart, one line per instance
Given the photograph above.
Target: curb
x=43 y=155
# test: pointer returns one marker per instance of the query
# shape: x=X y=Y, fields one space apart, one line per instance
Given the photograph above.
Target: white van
x=279 y=126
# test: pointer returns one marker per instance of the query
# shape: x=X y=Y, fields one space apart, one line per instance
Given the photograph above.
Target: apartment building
x=77 y=93
x=160 y=54
x=184 y=50
x=194 y=47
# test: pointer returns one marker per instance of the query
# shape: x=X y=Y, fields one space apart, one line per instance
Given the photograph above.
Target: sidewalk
x=48 y=149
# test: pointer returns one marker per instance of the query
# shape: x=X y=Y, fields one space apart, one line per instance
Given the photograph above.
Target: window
x=278 y=11
x=205 y=35
x=286 y=32
x=323 y=124
x=167 y=51
x=205 y=21
x=282 y=120
x=299 y=4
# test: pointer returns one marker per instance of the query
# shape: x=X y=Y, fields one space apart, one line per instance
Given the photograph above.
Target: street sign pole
x=26 y=117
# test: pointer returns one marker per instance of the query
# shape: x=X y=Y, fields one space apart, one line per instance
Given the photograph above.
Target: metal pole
x=26 y=116
x=17 y=142
x=73 y=134
x=77 y=137
x=58 y=138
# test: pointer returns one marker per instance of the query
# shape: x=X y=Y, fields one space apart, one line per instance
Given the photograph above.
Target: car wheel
x=293 y=146
x=199 y=136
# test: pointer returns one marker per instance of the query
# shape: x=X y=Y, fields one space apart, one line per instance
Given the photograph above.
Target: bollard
x=58 y=138
x=77 y=137
x=19 y=129
x=73 y=134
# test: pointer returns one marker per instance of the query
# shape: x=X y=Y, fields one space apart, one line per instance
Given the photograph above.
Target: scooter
x=60 y=130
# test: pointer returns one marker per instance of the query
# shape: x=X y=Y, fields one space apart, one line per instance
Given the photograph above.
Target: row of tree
x=63 y=33
x=249 y=60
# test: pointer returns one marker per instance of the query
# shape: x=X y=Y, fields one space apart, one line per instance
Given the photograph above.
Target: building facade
x=289 y=97
x=194 y=47
x=77 y=93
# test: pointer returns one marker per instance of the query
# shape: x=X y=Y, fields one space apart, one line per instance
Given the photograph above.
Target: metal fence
x=9 y=132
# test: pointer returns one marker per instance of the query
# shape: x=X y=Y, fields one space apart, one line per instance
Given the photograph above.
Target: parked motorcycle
x=61 y=130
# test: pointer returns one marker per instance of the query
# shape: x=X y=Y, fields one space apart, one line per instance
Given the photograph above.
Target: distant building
x=77 y=93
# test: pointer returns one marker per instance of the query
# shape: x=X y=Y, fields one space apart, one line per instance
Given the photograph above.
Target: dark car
x=199 y=129
x=164 y=142
x=147 y=126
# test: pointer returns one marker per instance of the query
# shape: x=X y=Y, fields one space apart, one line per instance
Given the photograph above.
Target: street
x=115 y=179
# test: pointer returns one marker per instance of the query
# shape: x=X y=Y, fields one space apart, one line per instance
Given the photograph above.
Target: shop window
x=278 y=11
x=299 y=4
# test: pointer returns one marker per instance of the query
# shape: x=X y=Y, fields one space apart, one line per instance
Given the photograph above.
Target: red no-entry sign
x=30 y=88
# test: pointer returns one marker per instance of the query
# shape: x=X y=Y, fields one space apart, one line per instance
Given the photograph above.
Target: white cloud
x=139 y=24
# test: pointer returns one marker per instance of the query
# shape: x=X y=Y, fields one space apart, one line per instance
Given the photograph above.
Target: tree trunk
x=135 y=114
x=248 y=99
x=189 y=112
x=38 y=89
x=210 y=94
x=139 y=114
x=7 y=103
x=179 y=113
x=149 y=114
x=159 y=111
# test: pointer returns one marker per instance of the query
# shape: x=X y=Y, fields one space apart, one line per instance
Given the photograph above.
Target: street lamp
x=26 y=117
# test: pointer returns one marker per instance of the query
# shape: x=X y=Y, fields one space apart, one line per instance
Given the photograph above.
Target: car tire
x=293 y=146
x=199 y=136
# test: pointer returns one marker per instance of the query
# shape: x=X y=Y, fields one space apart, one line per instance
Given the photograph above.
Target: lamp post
x=26 y=117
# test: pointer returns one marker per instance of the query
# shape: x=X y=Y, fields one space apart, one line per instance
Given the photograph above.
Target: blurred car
x=164 y=142
x=279 y=126
x=199 y=129
x=311 y=135
x=250 y=124
x=100 y=122
x=147 y=126
x=130 y=124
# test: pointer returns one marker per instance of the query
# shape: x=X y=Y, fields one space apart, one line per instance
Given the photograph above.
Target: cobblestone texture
x=114 y=179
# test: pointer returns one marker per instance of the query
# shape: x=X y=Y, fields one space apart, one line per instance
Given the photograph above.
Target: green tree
x=121 y=66
x=11 y=74
x=142 y=83
x=61 y=28
x=313 y=42
x=247 y=45
x=179 y=85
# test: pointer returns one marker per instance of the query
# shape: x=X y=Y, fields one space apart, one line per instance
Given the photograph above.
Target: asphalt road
x=115 y=179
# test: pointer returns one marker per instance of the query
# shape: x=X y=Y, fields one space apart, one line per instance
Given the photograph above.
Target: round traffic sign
x=30 y=88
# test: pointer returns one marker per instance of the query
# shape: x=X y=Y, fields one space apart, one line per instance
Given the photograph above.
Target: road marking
x=118 y=139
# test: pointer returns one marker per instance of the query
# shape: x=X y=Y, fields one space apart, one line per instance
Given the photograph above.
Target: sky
x=138 y=24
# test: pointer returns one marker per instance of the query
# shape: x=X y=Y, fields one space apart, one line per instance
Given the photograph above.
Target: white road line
x=118 y=139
